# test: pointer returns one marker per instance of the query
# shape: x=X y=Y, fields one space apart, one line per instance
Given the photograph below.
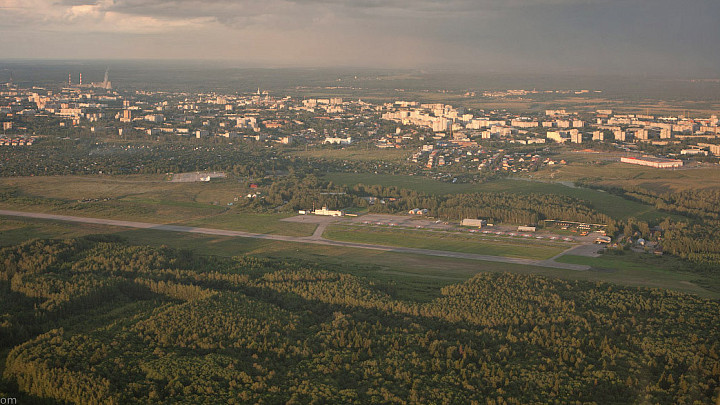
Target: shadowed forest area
x=94 y=320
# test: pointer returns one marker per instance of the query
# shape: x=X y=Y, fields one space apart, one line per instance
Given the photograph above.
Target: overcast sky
x=615 y=36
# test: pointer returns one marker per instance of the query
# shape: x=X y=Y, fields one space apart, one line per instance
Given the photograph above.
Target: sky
x=656 y=37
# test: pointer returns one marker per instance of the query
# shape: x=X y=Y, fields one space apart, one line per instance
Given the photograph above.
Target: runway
x=316 y=239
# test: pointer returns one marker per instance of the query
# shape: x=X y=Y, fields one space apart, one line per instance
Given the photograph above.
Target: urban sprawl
x=443 y=136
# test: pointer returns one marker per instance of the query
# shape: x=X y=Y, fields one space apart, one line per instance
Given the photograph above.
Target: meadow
x=444 y=241
x=146 y=198
x=592 y=168
x=356 y=153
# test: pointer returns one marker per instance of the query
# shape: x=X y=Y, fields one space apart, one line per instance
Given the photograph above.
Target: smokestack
x=81 y=79
x=69 y=79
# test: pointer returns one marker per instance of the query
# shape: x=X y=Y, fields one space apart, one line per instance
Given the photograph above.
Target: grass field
x=619 y=174
x=359 y=153
x=149 y=198
x=421 y=184
x=135 y=188
x=252 y=222
x=442 y=241
x=145 y=198
x=647 y=270
x=411 y=275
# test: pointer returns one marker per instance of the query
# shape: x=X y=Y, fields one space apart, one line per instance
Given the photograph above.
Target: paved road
x=314 y=239
x=318 y=234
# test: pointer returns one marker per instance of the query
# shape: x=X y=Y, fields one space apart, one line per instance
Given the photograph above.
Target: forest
x=84 y=156
x=95 y=320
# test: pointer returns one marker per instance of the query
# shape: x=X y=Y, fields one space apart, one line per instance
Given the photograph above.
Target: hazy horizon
x=217 y=63
x=643 y=37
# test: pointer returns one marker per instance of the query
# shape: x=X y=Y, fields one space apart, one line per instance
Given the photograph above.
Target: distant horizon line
x=423 y=69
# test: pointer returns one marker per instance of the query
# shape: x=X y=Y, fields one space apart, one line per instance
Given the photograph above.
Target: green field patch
x=356 y=153
x=253 y=222
x=441 y=241
x=648 y=270
x=165 y=202
x=136 y=188
x=621 y=174
x=79 y=187
x=149 y=211
x=417 y=183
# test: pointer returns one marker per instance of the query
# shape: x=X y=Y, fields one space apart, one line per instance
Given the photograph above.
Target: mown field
x=612 y=205
x=359 y=153
x=622 y=174
x=444 y=241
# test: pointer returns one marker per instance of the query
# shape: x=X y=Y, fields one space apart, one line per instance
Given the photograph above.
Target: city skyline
x=553 y=36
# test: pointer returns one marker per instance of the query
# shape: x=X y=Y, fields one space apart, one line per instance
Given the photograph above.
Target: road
x=316 y=239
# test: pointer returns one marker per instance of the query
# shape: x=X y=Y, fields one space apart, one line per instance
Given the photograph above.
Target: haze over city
x=657 y=37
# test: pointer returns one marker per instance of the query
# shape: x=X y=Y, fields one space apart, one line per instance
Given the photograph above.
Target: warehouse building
x=660 y=163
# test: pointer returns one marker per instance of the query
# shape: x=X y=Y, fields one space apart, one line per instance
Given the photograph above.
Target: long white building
x=659 y=163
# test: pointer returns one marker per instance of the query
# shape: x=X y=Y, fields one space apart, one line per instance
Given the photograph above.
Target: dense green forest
x=81 y=156
x=97 y=321
x=52 y=157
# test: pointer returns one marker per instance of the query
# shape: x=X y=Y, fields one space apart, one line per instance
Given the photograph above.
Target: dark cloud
x=637 y=36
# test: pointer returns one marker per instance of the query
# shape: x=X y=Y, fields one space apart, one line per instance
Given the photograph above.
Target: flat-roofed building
x=714 y=149
x=659 y=163
x=642 y=134
x=330 y=213
x=474 y=222
x=556 y=136
x=694 y=151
